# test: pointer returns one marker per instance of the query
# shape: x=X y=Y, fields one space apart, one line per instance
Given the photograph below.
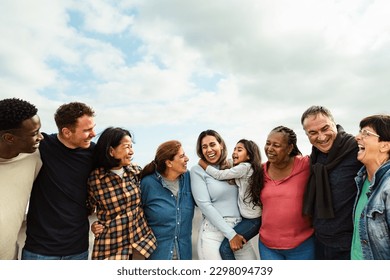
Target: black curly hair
x=13 y=111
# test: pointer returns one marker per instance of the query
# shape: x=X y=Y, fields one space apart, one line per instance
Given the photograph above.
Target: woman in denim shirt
x=168 y=203
x=371 y=236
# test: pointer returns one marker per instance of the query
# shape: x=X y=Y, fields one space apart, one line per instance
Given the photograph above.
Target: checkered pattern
x=118 y=207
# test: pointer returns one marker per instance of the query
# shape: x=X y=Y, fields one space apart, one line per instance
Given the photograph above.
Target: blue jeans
x=27 y=255
x=248 y=228
x=305 y=251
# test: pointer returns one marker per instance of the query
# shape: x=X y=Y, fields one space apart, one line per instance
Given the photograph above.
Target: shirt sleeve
x=235 y=172
x=91 y=187
x=203 y=200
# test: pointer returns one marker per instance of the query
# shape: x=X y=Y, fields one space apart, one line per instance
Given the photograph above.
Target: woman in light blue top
x=247 y=173
x=217 y=201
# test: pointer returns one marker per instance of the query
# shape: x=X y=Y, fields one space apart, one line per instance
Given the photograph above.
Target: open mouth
x=211 y=156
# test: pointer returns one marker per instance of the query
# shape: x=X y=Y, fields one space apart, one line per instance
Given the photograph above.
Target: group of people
x=329 y=205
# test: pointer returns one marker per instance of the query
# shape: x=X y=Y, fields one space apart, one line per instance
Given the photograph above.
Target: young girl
x=247 y=173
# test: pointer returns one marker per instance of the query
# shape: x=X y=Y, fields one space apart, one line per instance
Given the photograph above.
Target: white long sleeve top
x=241 y=174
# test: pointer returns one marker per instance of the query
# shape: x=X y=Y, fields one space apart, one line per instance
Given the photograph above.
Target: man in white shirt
x=19 y=165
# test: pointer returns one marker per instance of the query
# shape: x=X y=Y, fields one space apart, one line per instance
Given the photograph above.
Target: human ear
x=8 y=137
x=66 y=132
x=385 y=146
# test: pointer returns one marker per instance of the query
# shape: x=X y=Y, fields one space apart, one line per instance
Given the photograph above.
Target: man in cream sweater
x=19 y=165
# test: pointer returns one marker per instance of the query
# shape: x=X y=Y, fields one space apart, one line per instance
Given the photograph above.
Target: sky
x=170 y=69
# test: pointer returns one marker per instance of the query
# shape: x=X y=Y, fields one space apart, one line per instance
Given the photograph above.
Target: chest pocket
x=376 y=212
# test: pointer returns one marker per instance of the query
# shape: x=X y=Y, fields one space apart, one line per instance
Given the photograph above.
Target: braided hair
x=291 y=138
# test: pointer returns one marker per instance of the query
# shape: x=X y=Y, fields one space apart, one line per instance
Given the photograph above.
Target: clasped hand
x=237 y=242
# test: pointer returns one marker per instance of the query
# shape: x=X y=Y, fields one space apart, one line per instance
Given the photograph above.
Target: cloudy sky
x=170 y=69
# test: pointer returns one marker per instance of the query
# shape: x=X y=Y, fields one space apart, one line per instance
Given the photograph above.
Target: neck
x=283 y=165
x=7 y=153
x=169 y=175
x=372 y=168
x=64 y=141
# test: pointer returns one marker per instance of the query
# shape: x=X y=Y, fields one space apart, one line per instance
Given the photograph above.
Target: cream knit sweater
x=16 y=179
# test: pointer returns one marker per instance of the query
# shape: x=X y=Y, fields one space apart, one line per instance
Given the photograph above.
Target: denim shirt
x=170 y=218
x=375 y=219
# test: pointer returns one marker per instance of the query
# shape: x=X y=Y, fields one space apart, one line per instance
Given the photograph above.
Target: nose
x=92 y=134
x=321 y=136
x=358 y=136
x=40 y=137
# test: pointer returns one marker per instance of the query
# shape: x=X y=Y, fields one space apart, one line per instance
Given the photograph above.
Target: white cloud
x=238 y=67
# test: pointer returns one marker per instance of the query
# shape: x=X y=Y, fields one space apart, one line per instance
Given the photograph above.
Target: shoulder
x=196 y=169
x=133 y=168
x=302 y=159
x=245 y=165
x=302 y=162
x=96 y=175
x=149 y=180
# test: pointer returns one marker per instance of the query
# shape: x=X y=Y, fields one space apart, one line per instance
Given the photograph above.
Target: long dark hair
x=222 y=162
x=256 y=180
x=110 y=137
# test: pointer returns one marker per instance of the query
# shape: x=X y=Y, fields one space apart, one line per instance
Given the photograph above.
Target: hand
x=203 y=164
x=97 y=228
x=237 y=242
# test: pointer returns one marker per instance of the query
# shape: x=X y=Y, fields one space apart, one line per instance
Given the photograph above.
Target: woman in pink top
x=285 y=234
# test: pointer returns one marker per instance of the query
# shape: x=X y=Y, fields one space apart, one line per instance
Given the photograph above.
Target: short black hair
x=380 y=123
x=13 y=111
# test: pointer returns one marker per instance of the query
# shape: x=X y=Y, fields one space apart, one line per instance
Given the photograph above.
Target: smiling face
x=81 y=136
x=124 y=151
x=321 y=131
x=211 y=149
x=370 y=149
x=27 y=138
x=178 y=165
x=277 y=148
x=240 y=154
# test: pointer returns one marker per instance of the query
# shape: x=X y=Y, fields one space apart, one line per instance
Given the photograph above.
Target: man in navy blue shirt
x=331 y=189
x=57 y=219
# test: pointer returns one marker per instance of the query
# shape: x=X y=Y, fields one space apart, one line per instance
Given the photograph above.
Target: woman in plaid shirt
x=114 y=192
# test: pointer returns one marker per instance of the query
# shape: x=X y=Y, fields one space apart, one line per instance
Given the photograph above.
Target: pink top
x=283 y=225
